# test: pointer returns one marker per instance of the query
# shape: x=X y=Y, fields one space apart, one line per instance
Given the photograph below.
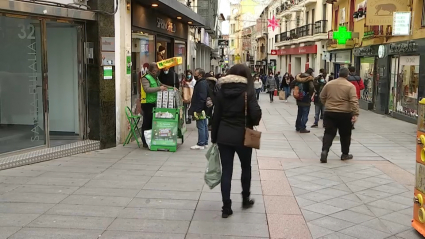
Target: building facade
x=301 y=43
x=84 y=66
x=388 y=57
x=261 y=38
x=46 y=75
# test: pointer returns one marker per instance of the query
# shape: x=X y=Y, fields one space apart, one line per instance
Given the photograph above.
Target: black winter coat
x=199 y=97
x=228 y=126
x=212 y=82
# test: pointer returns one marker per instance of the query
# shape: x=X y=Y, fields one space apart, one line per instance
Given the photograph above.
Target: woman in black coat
x=228 y=130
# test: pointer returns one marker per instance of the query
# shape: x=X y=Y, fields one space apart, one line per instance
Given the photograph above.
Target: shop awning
x=174 y=9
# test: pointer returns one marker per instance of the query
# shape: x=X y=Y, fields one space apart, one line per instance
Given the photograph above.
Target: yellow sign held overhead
x=170 y=62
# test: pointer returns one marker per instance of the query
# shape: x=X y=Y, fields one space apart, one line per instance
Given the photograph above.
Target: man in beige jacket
x=341 y=110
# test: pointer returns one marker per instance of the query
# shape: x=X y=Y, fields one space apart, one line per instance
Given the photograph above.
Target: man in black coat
x=169 y=77
x=198 y=108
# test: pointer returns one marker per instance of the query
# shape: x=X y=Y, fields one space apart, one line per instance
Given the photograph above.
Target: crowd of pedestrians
x=227 y=105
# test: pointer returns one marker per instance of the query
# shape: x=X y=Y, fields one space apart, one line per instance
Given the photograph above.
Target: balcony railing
x=293 y=33
x=306 y=30
x=303 y=31
x=320 y=27
x=284 y=36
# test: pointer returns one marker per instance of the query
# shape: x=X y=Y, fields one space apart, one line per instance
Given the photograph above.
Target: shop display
x=367 y=66
x=164 y=115
x=406 y=87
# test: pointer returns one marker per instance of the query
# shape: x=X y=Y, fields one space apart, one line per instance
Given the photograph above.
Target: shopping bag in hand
x=148 y=135
x=213 y=172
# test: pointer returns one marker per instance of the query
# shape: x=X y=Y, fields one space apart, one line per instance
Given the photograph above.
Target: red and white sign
x=298 y=50
x=274 y=52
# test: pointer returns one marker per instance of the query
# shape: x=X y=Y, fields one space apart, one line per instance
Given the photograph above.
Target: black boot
x=227 y=209
x=246 y=202
x=324 y=157
x=346 y=156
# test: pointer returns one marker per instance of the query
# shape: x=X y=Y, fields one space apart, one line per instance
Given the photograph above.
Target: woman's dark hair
x=244 y=71
x=188 y=72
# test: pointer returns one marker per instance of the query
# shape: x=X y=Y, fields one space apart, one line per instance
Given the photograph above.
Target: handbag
x=252 y=137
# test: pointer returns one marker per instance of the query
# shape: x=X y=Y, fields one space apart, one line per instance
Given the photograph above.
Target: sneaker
x=286 y=101
x=197 y=147
x=304 y=131
x=346 y=156
x=314 y=126
x=324 y=157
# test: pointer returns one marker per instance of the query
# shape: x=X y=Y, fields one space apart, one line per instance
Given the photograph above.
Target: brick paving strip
x=130 y=193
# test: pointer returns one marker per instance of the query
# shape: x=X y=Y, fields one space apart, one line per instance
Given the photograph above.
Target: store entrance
x=65 y=91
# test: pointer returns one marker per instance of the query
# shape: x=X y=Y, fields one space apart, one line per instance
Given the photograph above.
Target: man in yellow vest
x=148 y=94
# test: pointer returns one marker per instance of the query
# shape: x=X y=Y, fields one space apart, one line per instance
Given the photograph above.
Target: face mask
x=189 y=77
x=166 y=72
x=196 y=77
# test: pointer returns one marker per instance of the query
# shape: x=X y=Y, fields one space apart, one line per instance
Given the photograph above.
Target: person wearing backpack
x=303 y=91
x=356 y=81
x=319 y=82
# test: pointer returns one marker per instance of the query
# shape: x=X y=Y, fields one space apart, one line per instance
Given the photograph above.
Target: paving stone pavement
x=126 y=192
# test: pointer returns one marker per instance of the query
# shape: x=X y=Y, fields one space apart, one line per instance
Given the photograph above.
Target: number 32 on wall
x=27 y=32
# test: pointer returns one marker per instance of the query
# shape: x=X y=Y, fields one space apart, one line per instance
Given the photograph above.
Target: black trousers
x=147 y=119
x=271 y=92
x=341 y=122
x=227 y=154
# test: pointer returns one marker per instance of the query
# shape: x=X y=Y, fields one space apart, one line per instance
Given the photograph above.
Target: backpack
x=298 y=92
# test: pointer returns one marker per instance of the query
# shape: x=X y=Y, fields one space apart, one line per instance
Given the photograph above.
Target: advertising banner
x=164 y=133
x=380 y=12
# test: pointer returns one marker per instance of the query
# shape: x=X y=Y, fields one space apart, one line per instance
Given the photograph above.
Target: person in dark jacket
x=168 y=76
x=305 y=81
x=198 y=108
x=276 y=78
x=286 y=82
x=228 y=130
x=271 y=86
x=212 y=82
x=356 y=81
x=319 y=82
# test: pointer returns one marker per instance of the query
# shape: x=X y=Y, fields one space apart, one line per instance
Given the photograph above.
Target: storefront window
x=367 y=67
x=180 y=51
x=21 y=95
x=406 y=90
x=143 y=50
x=394 y=73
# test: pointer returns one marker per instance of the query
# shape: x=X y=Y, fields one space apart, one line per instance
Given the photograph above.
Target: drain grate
x=49 y=154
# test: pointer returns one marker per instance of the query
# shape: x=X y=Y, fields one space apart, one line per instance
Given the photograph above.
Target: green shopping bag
x=213 y=172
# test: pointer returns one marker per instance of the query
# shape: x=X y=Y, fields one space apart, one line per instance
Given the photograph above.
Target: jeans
x=227 y=155
x=337 y=121
x=302 y=117
x=319 y=111
x=202 y=126
x=287 y=91
x=147 y=119
x=271 y=92
x=257 y=91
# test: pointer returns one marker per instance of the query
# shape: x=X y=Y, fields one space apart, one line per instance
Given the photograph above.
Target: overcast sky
x=225 y=10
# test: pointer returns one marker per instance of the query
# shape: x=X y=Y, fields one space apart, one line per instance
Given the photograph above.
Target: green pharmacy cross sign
x=342 y=35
